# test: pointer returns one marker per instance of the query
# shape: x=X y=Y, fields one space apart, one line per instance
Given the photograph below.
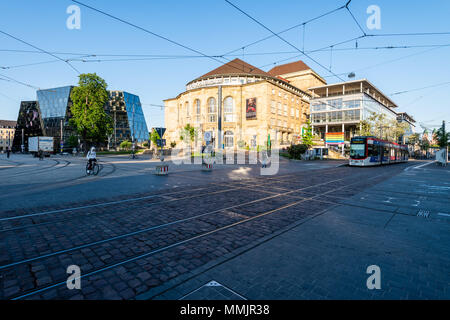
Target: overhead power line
x=155 y=34
x=281 y=38
x=286 y=30
x=20 y=82
x=33 y=46
x=422 y=88
x=354 y=19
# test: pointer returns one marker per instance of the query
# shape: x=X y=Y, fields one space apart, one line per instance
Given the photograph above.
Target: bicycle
x=94 y=170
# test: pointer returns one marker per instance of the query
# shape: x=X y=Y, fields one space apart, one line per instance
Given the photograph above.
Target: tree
x=188 y=134
x=154 y=137
x=442 y=137
x=72 y=141
x=126 y=145
x=307 y=135
x=377 y=125
x=89 y=117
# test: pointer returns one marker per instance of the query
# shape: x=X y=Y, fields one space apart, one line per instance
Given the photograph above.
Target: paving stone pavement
x=327 y=257
x=142 y=247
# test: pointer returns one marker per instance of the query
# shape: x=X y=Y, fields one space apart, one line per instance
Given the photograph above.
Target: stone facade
x=7 y=129
x=281 y=109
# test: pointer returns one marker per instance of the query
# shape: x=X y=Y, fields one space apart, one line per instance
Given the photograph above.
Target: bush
x=126 y=145
x=296 y=151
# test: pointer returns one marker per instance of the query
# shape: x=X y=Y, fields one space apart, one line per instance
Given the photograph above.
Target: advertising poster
x=251 y=109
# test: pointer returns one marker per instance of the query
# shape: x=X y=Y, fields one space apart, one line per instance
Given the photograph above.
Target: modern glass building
x=50 y=115
x=338 y=108
x=128 y=118
x=54 y=105
x=29 y=124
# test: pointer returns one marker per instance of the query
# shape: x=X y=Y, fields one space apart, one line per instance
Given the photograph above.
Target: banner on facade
x=251 y=109
x=334 y=138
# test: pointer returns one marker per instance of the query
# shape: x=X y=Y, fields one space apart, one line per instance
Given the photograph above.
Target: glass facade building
x=29 y=124
x=54 y=105
x=340 y=107
x=128 y=118
x=50 y=115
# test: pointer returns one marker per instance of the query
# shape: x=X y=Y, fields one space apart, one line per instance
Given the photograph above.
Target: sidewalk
x=401 y=225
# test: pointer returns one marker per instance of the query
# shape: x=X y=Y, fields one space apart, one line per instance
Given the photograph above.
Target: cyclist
x=92 y=157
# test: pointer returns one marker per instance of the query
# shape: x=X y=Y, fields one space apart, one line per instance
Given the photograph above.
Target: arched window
x=228 y=109
x=188 y=112
x=212 y=110
x=229 y=139
x=198 y=110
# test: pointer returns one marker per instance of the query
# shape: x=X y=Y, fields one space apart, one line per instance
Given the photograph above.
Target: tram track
x=183 y=241
x=163 y=195
x=61 y=183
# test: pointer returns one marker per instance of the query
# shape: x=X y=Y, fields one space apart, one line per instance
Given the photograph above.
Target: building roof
x=236 y=66
x=288 y=68
x=352 y=87
x=8 y=123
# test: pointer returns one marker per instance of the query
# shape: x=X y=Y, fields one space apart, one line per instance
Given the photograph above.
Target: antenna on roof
x=351 y=75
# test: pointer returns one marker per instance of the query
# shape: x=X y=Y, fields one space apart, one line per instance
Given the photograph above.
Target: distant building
x=256 y=106
x=28 y=125
x=337 y=109
x=128 y=118
x=49 y=115
x=7 y=129
x=403 y=117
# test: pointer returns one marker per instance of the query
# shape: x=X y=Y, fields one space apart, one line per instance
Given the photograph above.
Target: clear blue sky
x=214 y=27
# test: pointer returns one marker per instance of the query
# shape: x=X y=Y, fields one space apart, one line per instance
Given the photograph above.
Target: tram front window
x=358 y=151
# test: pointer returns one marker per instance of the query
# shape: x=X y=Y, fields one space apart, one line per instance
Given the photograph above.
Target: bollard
x=162 y=170
x=207 y=167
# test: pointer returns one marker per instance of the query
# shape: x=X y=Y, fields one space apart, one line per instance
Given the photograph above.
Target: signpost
x=161 y=142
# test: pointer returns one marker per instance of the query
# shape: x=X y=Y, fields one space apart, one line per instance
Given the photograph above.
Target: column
x=326 y=131
x=343 y=145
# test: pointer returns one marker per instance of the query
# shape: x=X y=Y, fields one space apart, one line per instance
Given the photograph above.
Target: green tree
x=154 y=137
x=188 y=134
x=89 y=117
x=442 y=137
x=126 y=145
x=307 y=135
x=296 y=151
x=72 y=141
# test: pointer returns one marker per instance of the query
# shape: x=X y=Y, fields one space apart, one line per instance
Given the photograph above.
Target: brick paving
x=127 y=249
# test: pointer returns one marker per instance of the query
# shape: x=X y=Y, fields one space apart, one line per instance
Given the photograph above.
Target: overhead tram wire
x=284 y=40
x=388 y=61
x=423 y=88
x=154 y=34
x=20 y=82
x=33 y=46
x=286 y=30
x=354 y=19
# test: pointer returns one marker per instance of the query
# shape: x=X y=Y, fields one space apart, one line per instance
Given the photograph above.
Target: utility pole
x=23 y=140
x=115 y=128
x=219 y=119
x=62 y=142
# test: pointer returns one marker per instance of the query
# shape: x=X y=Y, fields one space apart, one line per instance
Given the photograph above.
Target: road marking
x=420 y=166
x=443 y=214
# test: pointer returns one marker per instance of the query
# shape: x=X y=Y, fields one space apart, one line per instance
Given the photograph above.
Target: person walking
x=8 y=151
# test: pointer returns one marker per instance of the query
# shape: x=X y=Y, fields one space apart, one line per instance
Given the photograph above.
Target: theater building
x=248 y=105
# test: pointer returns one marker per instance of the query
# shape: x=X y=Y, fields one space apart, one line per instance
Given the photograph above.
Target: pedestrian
x=8 y=151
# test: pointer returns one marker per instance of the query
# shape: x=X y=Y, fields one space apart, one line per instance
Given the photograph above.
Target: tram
x=371 y=151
